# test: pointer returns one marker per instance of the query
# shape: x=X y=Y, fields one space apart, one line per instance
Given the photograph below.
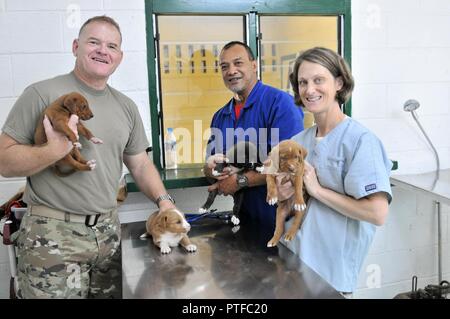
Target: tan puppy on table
x=169 y=228
x=286 y=164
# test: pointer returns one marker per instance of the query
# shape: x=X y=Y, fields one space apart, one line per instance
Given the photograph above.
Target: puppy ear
x=161 y=220
x=275 y=157
x=70 y=102
x=302 y=152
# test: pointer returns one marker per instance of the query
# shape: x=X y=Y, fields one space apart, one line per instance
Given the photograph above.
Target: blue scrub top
x=268 y=117
x=352 y=161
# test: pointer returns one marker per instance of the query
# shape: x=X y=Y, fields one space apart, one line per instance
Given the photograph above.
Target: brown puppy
x=168 y=229
x=286 y=164
x=58 y=114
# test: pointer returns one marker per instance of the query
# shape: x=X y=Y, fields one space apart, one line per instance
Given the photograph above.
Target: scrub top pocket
x=331 y=173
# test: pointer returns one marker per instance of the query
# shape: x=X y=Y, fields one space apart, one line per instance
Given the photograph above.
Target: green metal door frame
x=252 y=9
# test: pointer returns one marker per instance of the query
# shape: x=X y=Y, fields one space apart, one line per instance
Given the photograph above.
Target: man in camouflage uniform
x=65 y=258
x=69 y=239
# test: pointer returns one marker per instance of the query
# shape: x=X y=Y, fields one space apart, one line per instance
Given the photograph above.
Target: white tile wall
x=400 y=51
x=43 y=66
x=129 y=22
x=5 y=106
x=9 y=187
x=121 y=6
x=374 y=99
x=435 y=6
x=371 y=31
x=51 y=5
x=142 y=101
x=433 y=98
x=126 y=78
x=34 y=32
x=6 y=83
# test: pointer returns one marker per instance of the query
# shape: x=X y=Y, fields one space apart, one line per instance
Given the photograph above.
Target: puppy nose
x=188 y=227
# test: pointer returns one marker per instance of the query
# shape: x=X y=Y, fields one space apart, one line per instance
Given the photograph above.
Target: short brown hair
x=330 y=60
x=104 y=19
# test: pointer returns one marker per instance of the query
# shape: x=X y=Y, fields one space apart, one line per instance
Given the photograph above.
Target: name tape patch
x=370 y=187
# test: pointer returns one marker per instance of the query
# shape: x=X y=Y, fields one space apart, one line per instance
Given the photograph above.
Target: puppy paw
x=235 y=229
x=272 y=243
x=191 y=248
x=260 y=169
x=235 y=220
x=96 y=140
x=272 y=200
x=165 y=249
x=77 y=145
x=92 y=164
x=299 y=207
x=144 y=236
x=289 y=236
x=215 y=173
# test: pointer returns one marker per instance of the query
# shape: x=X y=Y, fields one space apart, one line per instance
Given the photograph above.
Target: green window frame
x=250 y=8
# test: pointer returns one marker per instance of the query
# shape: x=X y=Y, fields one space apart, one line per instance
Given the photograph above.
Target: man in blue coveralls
x=257 y=113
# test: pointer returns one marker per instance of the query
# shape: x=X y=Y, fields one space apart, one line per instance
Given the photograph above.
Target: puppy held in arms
x=240 y=158
x=169 y=228
x=286 y=164
x=59 y=113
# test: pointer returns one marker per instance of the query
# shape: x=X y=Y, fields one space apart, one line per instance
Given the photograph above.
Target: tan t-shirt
x=116 y=121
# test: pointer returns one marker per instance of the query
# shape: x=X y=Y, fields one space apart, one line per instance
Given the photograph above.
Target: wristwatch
x=242 y=180
x=164 y=197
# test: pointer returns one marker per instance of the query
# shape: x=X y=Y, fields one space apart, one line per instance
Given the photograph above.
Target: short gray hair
x=104 y=19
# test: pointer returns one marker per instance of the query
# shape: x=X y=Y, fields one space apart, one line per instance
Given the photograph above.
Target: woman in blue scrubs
x=348 y=175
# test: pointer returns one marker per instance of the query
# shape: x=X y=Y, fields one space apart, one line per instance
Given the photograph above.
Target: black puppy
x=241 y=158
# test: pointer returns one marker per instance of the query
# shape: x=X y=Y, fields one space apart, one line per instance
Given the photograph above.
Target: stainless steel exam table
x=226 y=265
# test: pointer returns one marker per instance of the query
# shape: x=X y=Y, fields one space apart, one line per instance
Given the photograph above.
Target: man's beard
x=236 y=89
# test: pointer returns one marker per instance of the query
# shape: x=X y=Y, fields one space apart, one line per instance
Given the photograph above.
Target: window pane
x=190 y=98
x=284 y=36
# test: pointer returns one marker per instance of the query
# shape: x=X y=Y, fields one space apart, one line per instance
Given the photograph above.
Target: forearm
x=255 y=178
x=372 y=209
x=25 y=160
x=148 y=180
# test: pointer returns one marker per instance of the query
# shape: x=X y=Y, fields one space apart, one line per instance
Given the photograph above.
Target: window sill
x=184 y=178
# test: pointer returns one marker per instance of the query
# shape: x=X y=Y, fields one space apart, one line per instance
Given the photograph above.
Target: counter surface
x=227 y=264
x=435 y=184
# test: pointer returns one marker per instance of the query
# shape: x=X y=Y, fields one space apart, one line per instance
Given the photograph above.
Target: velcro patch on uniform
x=371 y=187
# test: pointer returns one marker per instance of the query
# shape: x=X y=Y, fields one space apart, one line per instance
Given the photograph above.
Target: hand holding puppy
x=213 y=162
x=311 y=181
x=57 y=141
